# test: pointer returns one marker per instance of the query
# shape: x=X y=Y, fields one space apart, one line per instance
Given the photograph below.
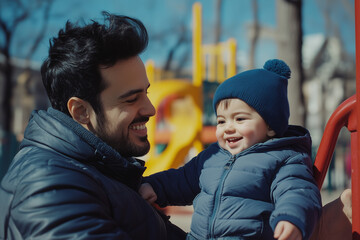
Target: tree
x=217 y=29
x=254 y=36
x=12 y=14
x=182 y=39
x=289 y=41
x=288 y=36
x=20 y=12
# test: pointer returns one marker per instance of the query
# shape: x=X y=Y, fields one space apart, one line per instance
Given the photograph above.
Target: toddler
x=256 y=182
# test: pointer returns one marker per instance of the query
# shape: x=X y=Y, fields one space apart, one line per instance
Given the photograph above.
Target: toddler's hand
x=287 y=231
x=147 y=192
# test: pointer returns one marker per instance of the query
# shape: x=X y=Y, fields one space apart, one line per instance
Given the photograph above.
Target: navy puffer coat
x=65 y=183
x=244 y=196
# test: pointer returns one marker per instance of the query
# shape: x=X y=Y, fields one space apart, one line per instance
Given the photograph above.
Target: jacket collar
x=89 y=149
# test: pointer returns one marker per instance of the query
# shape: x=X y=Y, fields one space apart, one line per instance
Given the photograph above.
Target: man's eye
x=240 y=119
x=131 y=100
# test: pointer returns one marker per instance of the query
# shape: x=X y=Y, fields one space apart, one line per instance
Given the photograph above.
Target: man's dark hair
x=76 y=55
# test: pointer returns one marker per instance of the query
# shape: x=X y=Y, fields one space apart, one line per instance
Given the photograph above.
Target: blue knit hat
x=265 y=90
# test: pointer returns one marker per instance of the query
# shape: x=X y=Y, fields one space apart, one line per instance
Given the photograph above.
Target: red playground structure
x=346 y=115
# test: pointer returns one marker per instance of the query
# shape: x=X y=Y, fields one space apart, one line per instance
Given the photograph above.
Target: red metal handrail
x=355 y=158
x=343 y=116
x=346 y=115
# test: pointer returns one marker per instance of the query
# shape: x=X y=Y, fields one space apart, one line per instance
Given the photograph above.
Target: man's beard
x=121 y=143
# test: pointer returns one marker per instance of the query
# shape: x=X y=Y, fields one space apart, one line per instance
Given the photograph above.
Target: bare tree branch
x=180 y=41
x=20 y=13
x=40 y=36
x=8 y=33
x=217 y=32
x=255 y=36
x=349 y=8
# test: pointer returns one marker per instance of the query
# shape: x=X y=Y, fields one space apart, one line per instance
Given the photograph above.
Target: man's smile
x=139 y=129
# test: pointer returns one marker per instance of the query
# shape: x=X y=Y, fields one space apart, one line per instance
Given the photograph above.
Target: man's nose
x=148 y=109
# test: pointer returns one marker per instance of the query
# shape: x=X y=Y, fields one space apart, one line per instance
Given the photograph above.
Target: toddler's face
x=239 y=126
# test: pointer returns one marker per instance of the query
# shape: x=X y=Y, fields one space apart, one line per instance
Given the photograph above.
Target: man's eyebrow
x=132 y=92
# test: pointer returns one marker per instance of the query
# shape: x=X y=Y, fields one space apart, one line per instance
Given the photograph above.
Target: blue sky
x=167 y=15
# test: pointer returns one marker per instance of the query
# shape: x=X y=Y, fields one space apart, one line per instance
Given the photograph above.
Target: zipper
x=218 y=193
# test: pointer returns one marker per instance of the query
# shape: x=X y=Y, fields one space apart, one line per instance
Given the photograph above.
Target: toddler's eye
x=220 y=122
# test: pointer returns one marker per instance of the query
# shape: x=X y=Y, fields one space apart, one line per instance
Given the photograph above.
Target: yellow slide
x=184 y=120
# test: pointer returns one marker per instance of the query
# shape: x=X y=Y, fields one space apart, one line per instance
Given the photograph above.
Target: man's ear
x=271 y=133
x=79 y=110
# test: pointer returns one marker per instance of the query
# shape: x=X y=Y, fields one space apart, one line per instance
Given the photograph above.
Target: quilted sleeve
x=295 y=194
x=178 y=187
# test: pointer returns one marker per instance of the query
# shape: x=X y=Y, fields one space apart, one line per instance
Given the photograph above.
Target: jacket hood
x=55 y=131
x=298 y=137
x=295 y=137
x=44 y=130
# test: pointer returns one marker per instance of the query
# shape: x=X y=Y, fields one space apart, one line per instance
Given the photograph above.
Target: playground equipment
x=346 y=115
x=221 y=60
x=184 y=119
x=188 y=125
x=180 y=102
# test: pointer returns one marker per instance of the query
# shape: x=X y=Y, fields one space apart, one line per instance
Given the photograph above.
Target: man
x=75 y=176
x=336 y=219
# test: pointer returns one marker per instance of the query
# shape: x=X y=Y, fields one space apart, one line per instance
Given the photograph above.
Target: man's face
x=239 y=126
x=125 y=108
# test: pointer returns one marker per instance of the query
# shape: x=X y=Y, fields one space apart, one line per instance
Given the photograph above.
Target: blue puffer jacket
x=244 y=196
x=65 y=183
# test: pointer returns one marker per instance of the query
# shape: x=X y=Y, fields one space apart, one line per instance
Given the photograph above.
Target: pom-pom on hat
x=265 y=90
